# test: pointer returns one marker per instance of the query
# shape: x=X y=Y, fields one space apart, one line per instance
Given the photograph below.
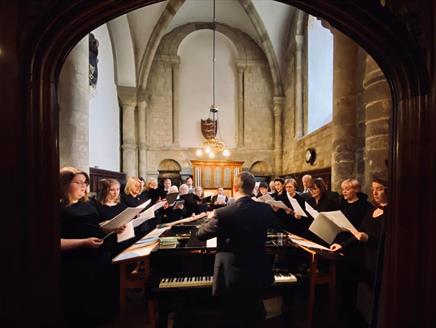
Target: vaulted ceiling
x=136 y=35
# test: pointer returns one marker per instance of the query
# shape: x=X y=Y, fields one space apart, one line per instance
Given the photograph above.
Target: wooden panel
x=325 y=174
x=216 y=173
x=95 y=175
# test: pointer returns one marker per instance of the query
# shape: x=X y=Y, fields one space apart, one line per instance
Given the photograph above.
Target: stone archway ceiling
x=267 y=22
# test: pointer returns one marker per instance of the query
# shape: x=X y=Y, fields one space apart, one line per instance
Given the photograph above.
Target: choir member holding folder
x=371 y=240
x=88 y=288
x=319 y=200
x=109 y=205
x=354 y=208
x=132 y=192
x=297 y=220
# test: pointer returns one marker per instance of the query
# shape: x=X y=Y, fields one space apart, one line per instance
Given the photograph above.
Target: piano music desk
x=320 y=278
x=132 y=276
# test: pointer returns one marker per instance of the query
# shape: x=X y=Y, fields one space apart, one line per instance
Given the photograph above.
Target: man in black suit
x=242 y=271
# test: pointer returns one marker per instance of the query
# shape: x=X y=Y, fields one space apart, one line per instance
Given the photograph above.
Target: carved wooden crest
x=209 y=128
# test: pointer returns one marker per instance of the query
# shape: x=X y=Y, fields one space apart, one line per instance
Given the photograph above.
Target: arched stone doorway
x=169 y=168
x=368 y=23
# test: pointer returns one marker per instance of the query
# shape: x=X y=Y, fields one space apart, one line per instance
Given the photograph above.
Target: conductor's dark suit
x=242 y=271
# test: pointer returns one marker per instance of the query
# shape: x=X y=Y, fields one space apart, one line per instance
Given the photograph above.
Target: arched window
x=319 y=74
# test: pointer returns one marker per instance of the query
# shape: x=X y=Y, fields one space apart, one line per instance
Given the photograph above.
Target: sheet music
x=134 y=252
x=297 y=208
x=157 y=232
x=124 y=217
x=147 y=214
x=277 y=203
x=265 y=198
x=324 y=228
x=307 y=243
x=340 y=220
x=211 y=243
x=313 y=213
x=221 y=199
x=128 y=233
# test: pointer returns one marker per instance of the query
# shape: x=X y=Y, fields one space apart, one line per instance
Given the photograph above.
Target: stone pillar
x=241 y=103
x=299 y=108
x=74 y=108
x=378 y=104
x=129 y=147
x=344 y=125
x=142 y=139
x=175 y=71
x=278 y=111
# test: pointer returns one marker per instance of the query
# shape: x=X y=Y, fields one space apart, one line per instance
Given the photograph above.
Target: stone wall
x=159 y=111
x=255 y=98
x=295 y=149
x=258 y=122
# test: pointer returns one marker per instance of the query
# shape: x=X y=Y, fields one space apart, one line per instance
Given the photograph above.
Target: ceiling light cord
x=213 y=59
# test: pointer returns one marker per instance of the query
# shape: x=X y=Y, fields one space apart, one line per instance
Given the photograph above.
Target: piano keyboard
x=207 y=281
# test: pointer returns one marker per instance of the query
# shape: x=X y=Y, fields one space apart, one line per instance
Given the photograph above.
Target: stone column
x=129 y=147
x=344 y=125
x=378 y=104
x=74 y=108
x=278 y=111
x=175 y=65
x=299 y=109
x=142 y=139
x=241 y=110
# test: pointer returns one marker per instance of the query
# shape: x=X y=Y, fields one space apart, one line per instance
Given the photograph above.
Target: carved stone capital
x=127 y=96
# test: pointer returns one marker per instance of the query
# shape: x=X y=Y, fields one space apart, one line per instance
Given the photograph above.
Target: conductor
x=242 y=272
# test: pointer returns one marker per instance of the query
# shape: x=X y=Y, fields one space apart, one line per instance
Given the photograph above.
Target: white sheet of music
x=277 y=203
x=313 y=213
x=265 y=198
x=124 y=217
x=324 y=228
x=297 y=208
x=307 y=243
x=148 y=214
x=338 y=218
x=157 y=232
x=211 y=243
x=128 y=233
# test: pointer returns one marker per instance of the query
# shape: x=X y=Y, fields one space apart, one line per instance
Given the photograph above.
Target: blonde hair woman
x=132 y=192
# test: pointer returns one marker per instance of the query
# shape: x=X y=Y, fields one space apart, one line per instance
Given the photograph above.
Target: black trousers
x=242 y=309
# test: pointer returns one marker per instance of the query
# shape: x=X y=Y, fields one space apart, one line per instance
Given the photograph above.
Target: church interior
x=338 y=91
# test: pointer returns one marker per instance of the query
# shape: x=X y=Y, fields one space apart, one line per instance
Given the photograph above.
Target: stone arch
x=247 y=49
x=169 y=165
x=374 y=27
x=169 y=168
x=261 y=168
x=156 y=36
x=266 y=45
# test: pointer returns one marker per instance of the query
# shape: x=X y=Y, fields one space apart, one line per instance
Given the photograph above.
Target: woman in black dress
x=295 y=223
x=371 y=242
x=86 y=271
x=132 y=192
x=319 y=200
x=355 y=209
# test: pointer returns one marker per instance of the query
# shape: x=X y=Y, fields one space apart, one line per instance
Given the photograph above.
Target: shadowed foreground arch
x=40 y=35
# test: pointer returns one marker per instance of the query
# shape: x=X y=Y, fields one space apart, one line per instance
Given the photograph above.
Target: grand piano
x=181 y=272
